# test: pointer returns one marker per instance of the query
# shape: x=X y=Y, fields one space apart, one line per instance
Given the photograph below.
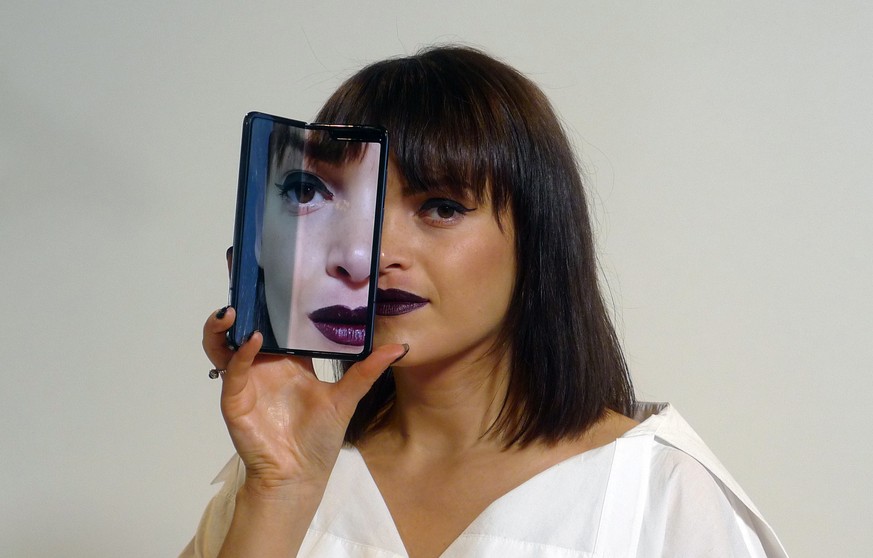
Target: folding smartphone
x=306 y=239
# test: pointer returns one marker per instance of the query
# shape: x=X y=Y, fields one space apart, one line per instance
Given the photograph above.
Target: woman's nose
x=350 y=263
x=395 y=243
x=350 y=253
x=396 y=237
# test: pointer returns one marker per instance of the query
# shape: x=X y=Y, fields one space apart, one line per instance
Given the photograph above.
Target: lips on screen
x=309 y=237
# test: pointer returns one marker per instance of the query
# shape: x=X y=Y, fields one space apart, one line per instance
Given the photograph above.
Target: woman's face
x=317 y=293
x=446 y=274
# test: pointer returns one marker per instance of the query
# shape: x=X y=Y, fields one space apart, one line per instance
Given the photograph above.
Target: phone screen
x=306 y=239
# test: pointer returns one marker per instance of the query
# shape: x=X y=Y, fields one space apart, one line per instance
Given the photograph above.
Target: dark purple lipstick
x=341 y=324
x=393 y=302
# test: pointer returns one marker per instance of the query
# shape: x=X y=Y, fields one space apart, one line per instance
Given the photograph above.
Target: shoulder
x=691 y=504
x=215 y=522
x=218 y=514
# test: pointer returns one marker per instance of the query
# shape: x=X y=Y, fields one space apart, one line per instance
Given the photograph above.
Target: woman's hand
x=286 y=424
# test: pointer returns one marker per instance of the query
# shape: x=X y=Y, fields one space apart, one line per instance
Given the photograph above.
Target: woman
x=503 y=425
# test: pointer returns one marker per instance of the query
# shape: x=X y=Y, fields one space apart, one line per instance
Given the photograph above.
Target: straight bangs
x=311 y=144
x=438 y=119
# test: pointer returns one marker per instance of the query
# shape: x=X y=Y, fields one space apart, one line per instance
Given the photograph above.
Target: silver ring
x=216 y=372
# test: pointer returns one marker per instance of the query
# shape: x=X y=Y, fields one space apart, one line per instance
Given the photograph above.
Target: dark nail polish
x=220 y=314
x=405 y=350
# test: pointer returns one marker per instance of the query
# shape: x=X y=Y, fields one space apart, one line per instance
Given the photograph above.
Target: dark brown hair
x=460 y=120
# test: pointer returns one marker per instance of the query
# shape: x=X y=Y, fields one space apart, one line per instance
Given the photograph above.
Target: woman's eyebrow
x=439 y=190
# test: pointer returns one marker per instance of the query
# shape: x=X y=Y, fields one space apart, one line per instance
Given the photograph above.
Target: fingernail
x=405 y=350
x=220 y=314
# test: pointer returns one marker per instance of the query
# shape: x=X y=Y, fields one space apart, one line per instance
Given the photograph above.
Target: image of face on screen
x=316 y=239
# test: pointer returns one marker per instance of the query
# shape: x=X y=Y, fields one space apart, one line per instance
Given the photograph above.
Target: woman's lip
x=341 y=324
x=394 y=302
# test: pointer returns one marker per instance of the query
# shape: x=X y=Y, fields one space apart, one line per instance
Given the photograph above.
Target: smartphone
x=306 y=237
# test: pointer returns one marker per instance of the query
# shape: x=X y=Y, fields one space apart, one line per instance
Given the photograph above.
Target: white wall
x=729 y=147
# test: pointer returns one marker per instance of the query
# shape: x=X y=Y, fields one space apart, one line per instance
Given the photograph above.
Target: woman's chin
x=388 y=338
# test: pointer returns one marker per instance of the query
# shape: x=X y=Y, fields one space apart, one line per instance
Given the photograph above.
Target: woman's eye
x=303 y=191
x=441 y=210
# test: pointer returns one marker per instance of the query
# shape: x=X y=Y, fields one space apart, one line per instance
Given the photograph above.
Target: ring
x=216 y=372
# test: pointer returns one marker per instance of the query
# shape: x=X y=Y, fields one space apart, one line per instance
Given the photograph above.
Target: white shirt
x=656 y=491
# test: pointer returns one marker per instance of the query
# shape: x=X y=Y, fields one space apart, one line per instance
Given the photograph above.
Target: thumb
x=358 y=379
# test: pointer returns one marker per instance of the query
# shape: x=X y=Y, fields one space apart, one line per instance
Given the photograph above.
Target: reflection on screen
x=311 y=237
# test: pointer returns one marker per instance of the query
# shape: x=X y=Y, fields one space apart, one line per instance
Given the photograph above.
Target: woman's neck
x=447 y=408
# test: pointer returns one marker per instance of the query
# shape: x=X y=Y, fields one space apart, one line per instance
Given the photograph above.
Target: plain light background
x=728 y=149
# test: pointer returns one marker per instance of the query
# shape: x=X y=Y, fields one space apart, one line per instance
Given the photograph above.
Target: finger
x=237 y=374
x=215 y=338
x=358 y=380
